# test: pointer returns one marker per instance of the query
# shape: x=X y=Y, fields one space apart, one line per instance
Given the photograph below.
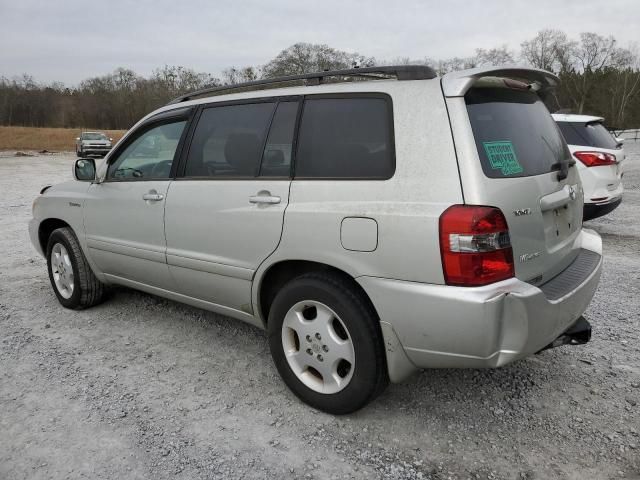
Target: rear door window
x=228 y=141
x=515 y=134
x=593 y=134
x=349 y=138
x=276 y=158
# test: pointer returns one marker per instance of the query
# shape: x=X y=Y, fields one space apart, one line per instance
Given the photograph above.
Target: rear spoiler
x=456 y=84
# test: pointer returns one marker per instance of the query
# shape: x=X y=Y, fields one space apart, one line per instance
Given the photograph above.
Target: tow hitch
x=577 y=334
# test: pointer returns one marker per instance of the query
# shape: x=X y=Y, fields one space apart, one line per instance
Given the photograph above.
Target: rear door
x=513 y=156
x=224 y=214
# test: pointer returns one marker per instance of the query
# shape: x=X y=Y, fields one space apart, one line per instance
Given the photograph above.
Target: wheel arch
x=399 y=367
x=281 y=272
x=46 y=228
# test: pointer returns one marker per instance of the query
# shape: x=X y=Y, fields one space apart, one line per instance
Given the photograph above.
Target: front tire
x=71 y=277
x=326 y=343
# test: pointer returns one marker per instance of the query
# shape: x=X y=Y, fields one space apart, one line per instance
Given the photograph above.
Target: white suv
x=600 y=158
x=373 y=227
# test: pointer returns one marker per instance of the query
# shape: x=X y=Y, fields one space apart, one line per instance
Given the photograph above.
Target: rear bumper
x=595 y=210
x=443 y=326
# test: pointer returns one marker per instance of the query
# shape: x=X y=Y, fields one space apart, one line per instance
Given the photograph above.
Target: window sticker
x=502 y=156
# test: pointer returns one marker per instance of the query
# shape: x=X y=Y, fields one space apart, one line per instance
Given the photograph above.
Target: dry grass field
x=51 y=139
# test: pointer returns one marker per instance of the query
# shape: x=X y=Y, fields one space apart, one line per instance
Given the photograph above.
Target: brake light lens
x=475 y=246
x=595 y=159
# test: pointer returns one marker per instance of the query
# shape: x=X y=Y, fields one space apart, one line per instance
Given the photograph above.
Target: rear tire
x=71 y=277
x=326 y=343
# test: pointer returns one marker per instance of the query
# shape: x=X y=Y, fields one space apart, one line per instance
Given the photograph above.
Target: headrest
x=241 y=152
x=273 y=158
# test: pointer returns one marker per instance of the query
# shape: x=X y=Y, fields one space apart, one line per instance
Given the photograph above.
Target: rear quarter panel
x=405 y=207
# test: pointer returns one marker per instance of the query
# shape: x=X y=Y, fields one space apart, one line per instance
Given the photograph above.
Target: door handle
x=264 y=198
x=153 y=197
x=559 y=199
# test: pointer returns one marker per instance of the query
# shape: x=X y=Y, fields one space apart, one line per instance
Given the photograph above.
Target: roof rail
x=401 y=72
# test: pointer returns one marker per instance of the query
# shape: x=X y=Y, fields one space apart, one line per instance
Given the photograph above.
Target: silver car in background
x=93 y=143
x=372 y=228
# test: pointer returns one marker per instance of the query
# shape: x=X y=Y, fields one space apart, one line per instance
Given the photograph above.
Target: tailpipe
x=577 y=334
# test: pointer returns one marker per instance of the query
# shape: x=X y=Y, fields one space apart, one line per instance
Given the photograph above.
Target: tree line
x=597 y=77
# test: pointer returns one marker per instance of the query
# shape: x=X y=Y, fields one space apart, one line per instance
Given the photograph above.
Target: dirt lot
x=50 y=139
x=140 y=387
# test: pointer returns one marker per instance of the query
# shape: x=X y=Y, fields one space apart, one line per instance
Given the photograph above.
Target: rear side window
x=592 y=134
x=228 y=141
x=349 y=138
x=515 y=134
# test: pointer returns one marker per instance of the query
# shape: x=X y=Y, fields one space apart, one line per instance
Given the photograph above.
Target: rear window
x=592 y=134
x=346 y=138
x=515 y=134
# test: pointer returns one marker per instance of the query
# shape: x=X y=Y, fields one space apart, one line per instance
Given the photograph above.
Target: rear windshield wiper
x=563 y=167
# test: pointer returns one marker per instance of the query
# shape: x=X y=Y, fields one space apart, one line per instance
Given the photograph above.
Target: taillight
x=475 y=246
x=595 y=159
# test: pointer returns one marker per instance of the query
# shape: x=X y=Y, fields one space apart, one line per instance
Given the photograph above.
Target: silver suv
x=93 y=143
x=372 y=228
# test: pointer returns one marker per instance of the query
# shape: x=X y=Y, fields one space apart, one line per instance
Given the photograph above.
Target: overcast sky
x=71 y=40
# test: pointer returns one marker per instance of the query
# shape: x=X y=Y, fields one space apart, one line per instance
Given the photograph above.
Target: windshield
x=592 y=134
x=94 y=136
x=514 y=132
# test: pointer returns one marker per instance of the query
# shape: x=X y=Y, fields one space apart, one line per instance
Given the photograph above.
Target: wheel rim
x=62 y=270
x=318 y=347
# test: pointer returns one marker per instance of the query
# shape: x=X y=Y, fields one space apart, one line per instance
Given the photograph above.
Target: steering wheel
x=161 y=169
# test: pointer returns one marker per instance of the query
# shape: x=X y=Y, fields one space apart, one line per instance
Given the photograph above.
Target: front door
x=124 y=215
x=225 y=215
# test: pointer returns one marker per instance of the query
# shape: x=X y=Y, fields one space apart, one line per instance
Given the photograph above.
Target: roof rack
x=401 y=72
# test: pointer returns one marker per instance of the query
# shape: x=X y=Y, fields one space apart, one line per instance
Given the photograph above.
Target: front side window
x=349 y=138
x=150 y=155
x=228 y=141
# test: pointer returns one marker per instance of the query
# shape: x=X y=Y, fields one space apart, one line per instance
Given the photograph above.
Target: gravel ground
x=141 y=387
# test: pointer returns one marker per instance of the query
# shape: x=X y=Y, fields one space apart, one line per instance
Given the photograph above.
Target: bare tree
x=233 y=75
x=624 y=86
x=494 y=56
x=303 y=58
x=584 y=61
x=445 y=66
x=548 y=50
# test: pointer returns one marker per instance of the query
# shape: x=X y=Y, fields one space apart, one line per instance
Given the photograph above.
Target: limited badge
x=502 y=156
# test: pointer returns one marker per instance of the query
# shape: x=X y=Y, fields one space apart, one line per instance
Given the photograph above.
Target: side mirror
x=110 y=139
x=84 y=170
x=77 y=139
